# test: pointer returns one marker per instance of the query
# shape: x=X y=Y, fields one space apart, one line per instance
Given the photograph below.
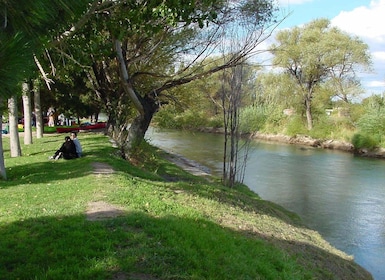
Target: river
x=339 y=195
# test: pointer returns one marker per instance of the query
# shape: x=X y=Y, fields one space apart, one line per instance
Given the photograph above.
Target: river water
x=339 y=195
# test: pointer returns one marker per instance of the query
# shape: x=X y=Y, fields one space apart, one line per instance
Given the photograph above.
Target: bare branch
x=47 y=80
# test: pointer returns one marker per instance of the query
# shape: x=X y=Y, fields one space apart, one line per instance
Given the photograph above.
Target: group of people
x=70 y=149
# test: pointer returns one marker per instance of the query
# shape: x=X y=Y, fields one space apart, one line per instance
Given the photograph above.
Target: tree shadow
x=139 y=246
x=44 y=172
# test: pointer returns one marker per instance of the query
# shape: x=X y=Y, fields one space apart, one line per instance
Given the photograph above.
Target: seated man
x=66 y=151
x=76 y=141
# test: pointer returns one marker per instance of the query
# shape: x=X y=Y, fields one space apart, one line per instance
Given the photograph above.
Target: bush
x=216 y=121
x=360 y=141
x=252 y=119
x=295 y=126
x=191 y=119
x=165 y=118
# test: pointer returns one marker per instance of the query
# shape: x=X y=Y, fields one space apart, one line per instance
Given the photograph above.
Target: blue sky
x=362 y=18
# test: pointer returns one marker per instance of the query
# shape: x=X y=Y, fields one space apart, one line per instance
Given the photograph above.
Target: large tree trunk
x=38 y=114
x=146 y=107
x=27 y=113
x=13 y=128
x=3 y=173
x=139 y=126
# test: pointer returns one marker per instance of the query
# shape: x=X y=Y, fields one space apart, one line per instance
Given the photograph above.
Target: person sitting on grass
x=76 y=141
x=66 y=151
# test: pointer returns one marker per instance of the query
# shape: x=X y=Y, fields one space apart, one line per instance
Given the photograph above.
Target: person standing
x=78 y=146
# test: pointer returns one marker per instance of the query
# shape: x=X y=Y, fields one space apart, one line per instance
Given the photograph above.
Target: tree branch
x=127 y=86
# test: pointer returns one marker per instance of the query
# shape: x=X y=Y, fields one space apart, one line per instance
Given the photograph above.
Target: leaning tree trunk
x=38 y=114
x=27 y=113
x=13 y=128
x=139 y=126
x=146 y=107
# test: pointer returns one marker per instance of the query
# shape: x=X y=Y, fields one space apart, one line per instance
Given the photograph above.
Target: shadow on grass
x=138 y=246
x=45 y=172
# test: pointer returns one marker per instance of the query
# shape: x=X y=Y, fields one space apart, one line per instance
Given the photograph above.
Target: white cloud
x=376 y=84
x=366 y=22
x=379 y=56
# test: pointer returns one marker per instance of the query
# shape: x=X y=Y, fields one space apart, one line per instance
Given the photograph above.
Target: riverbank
x=161 y=222
x=305 y=140
x=318 y=143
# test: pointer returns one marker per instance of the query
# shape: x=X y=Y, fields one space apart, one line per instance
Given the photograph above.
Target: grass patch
x=184 y=228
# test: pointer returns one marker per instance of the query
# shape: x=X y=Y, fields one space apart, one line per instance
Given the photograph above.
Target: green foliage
x=168 y=117
x=317 y=53
x=190 y=119
x=26 y=25
x=215 y=121
x=295 y=126
x=253 y=118
x=373 y=121
x=165 y=117
x=360 y=141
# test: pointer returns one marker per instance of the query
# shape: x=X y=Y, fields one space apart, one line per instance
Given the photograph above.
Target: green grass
x=174 y=225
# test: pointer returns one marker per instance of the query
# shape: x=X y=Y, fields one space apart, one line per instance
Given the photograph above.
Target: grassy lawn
x=171 y=225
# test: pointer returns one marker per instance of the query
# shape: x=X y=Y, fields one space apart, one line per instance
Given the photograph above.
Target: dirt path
x=101 y=210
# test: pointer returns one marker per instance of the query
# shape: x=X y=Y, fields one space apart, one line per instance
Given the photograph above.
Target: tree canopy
x=317 y=54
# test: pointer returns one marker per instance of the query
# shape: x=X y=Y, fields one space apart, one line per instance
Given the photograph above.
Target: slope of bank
x=100 y=217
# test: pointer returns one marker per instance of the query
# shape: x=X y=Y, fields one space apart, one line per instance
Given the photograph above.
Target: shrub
x=295 y=126
x=216 y=121
x=252 y=118
x=360 y=141
x=191 y=119
x=165 y=118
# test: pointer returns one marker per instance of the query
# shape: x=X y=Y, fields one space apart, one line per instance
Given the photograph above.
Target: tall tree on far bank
x=318 y=53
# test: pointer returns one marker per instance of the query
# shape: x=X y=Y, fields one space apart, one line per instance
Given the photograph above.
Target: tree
x=317 y=53
x=232 y=94
x=26 y=94
x=149 y=63
x=3 y=173
x=25 y=26
x=13 y=127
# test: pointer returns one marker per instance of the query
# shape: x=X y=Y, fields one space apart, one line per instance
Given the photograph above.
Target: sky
x=362 y=18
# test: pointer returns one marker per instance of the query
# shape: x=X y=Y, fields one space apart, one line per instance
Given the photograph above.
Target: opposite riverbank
x=323 y=144
x=305 y=140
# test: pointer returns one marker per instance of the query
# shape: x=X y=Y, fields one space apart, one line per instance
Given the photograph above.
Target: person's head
x=67 y=138
x=73 y=135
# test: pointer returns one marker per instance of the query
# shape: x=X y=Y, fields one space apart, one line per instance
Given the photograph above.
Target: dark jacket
x=67 y=150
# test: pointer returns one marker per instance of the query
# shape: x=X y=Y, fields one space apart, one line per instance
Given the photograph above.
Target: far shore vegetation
x=146 y=219
x=361 y=123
